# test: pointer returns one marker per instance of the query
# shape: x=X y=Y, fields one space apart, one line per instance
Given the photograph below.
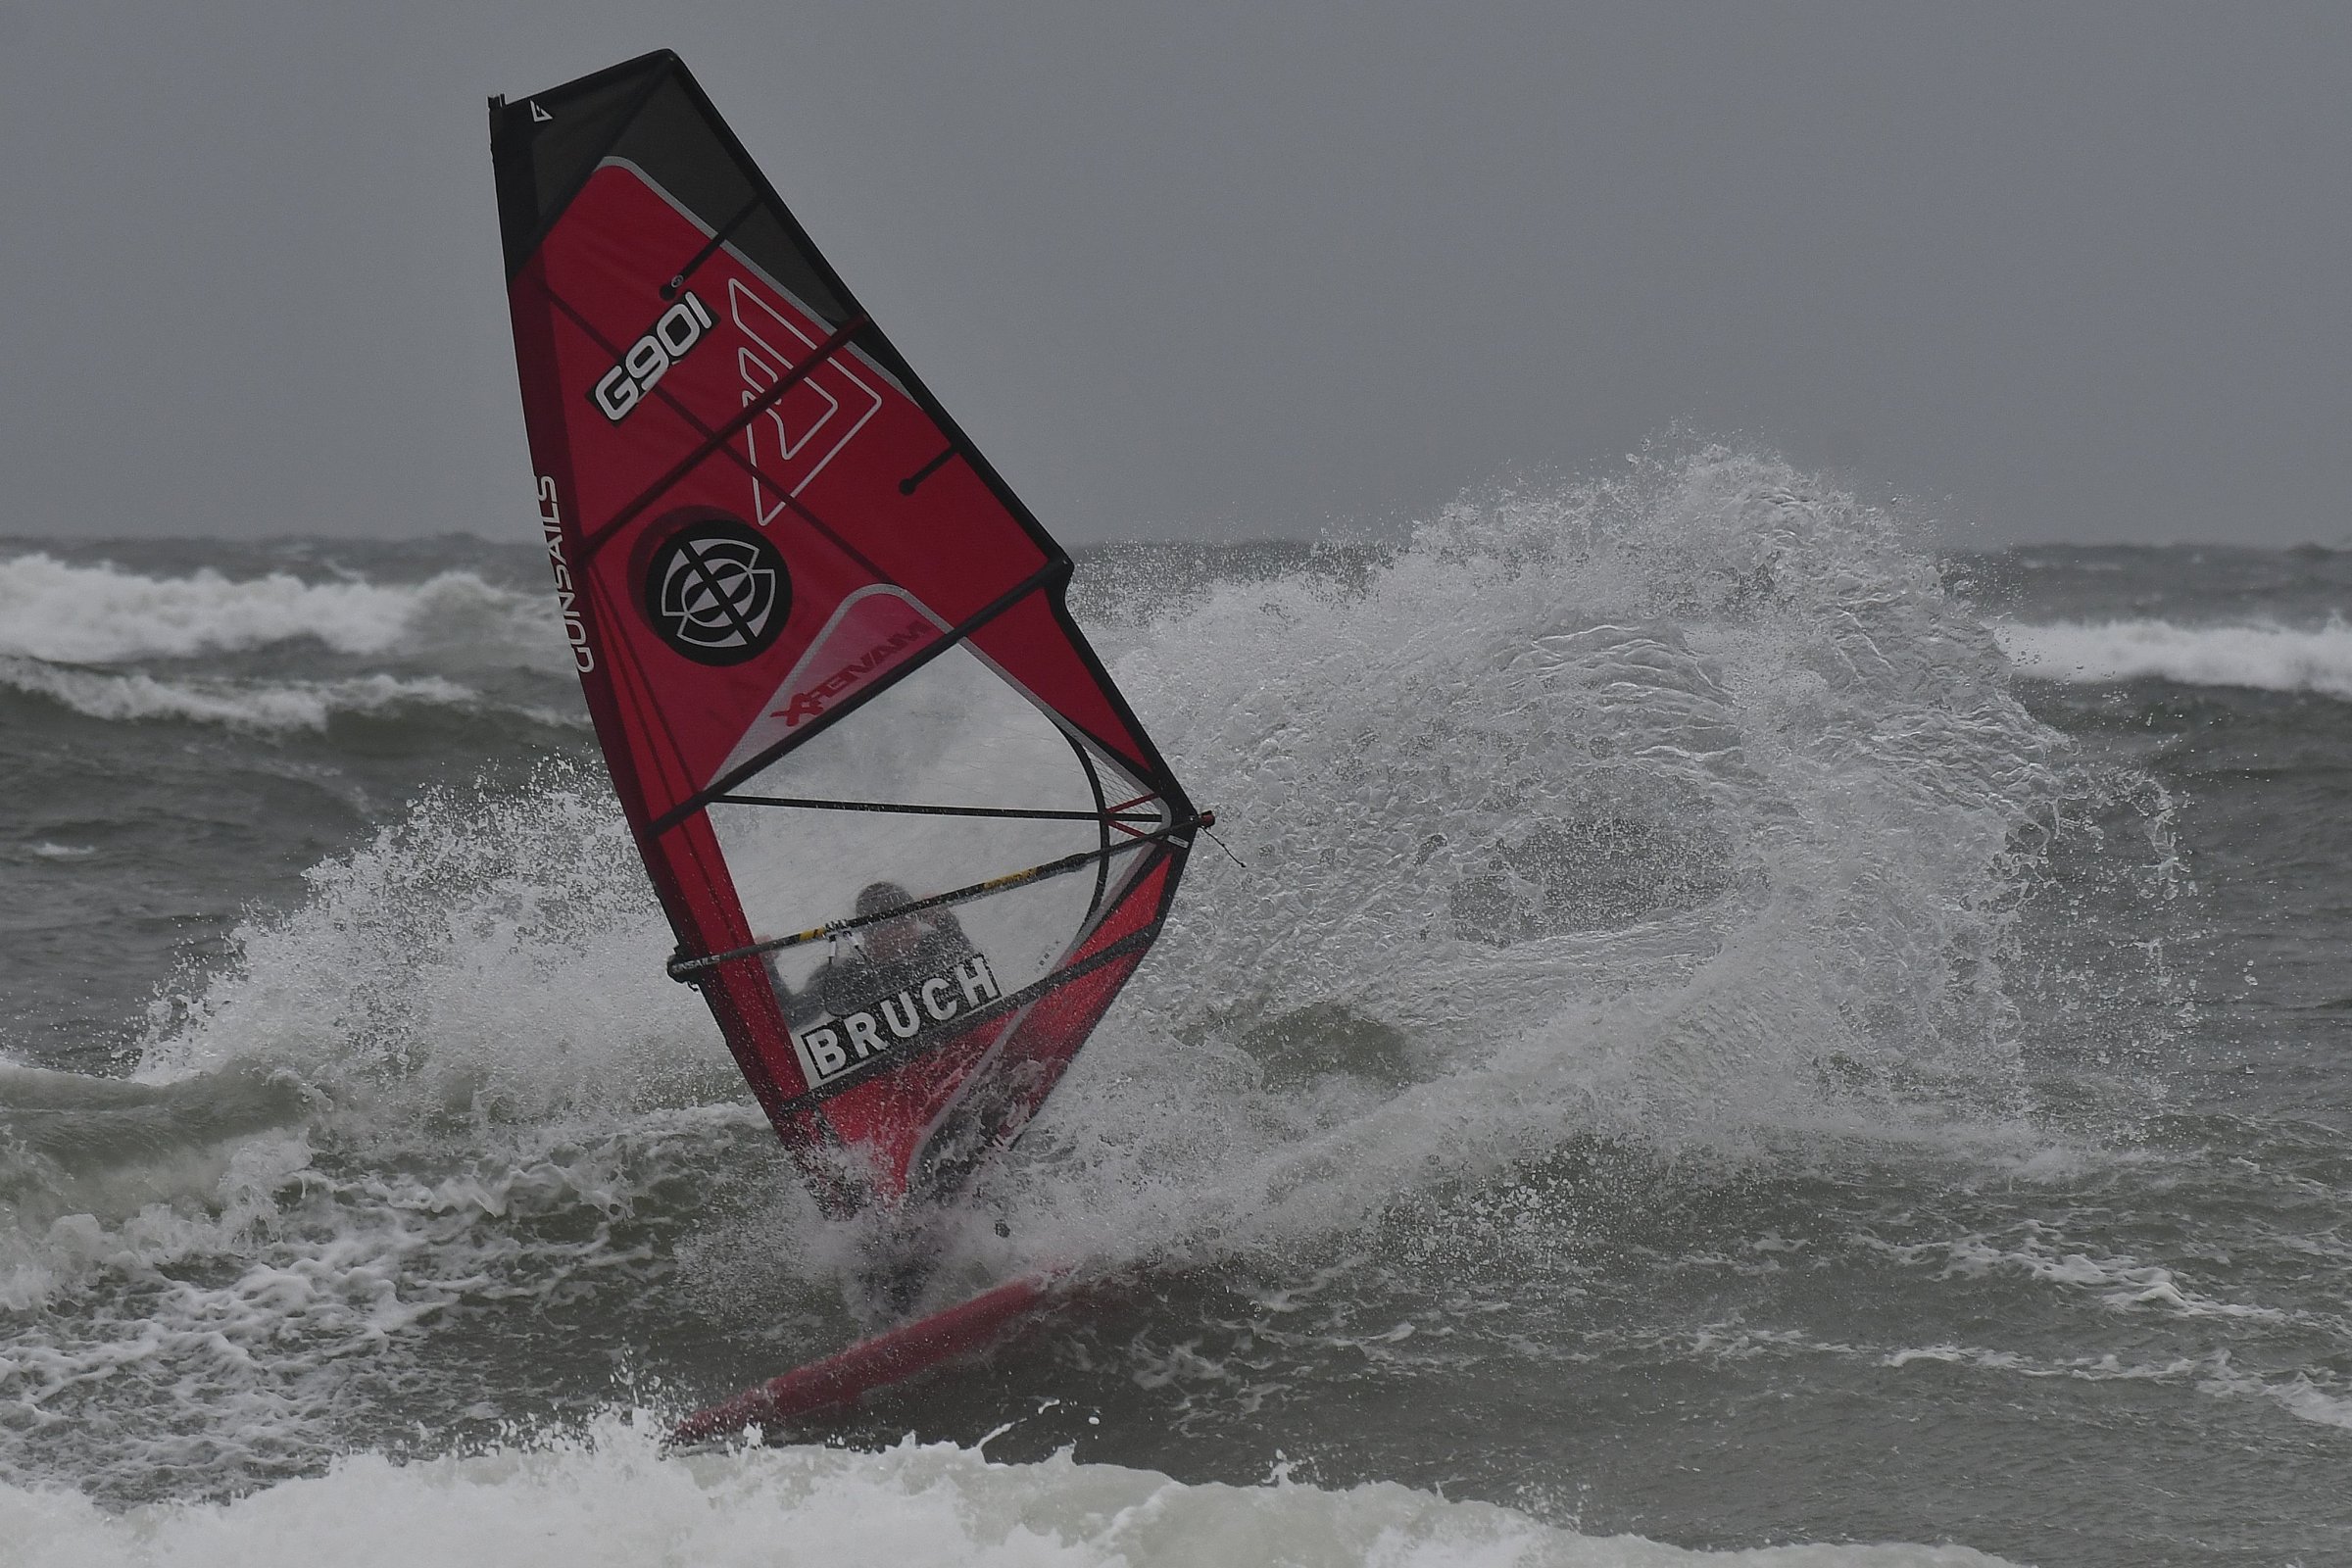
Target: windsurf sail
x=911 y=837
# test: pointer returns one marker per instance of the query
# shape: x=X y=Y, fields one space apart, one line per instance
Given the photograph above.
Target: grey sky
x=1237 y=269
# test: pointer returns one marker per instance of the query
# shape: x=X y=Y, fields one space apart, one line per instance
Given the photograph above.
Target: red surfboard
x=838 y=1381
x=911 y=837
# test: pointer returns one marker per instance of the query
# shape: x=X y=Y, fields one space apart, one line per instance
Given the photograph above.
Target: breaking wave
x=1687 y=813
x=2262 y=658
x=612 y=1498
x=62 y=613
x=1684 y=810
x=255 y=705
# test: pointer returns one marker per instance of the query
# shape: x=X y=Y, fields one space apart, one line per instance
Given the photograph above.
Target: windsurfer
x=903 y=975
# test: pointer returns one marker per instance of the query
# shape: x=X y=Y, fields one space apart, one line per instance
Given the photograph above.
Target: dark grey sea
x=1723 y=1027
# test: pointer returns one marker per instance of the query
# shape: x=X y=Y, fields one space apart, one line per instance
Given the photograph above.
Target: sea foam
x=2260 y=657
x=612 y=1498
x=134 y=696
x=62 y=613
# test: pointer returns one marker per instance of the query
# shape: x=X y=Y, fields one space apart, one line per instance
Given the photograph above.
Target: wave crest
x=57 y=611
x=610 y=1498
x=267 y=706
x=2258 y=657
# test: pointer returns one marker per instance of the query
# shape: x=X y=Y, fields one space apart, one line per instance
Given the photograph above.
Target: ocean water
x=1725 y=1034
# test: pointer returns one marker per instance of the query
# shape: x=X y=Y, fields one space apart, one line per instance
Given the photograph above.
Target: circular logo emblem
x=718 y=592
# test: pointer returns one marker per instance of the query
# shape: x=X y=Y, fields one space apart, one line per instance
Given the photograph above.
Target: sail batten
x=864 y=751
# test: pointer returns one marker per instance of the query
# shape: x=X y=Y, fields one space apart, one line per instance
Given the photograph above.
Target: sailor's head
x=889 y=940
x=876 y=896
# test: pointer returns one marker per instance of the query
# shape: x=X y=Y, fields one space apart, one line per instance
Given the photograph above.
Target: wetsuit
x=853 y=982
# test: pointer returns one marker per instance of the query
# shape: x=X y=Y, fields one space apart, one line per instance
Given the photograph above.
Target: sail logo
x=831 y=1049
x=671 y=337
x=568 y=596
x=872 y=634
x=718 y=592
x=810 y=702
x=798 y=434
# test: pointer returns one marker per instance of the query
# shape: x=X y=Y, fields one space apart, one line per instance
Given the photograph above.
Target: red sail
x=912 y=838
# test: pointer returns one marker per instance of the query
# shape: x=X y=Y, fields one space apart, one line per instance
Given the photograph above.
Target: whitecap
x=609 y=1497
x=54 y=610
x=2261 y=657
x=255 y=705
